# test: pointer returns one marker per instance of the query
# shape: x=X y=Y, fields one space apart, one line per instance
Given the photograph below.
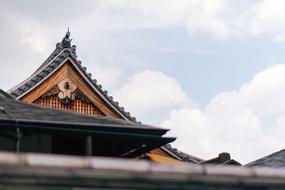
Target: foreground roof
x=274 y=160
x=41 y=171
x=15 y=114
x=63 y=52
x=14 y=110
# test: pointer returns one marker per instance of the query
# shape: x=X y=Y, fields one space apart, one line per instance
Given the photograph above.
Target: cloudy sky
x=211 y=71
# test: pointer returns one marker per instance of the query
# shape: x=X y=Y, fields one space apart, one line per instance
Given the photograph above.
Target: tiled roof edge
x=181 y=155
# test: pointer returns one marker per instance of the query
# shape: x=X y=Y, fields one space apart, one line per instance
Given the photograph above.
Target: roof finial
x=66 y=41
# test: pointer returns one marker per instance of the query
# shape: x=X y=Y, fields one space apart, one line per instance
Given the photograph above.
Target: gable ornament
x=67 y=88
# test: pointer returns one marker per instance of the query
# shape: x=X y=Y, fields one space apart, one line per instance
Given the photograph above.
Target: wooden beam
x=89 y=146
x=18 y=140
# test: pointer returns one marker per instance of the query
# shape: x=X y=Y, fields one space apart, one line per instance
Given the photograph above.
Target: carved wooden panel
x=77 y=105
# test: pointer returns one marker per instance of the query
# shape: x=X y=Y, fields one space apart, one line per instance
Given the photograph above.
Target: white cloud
x=212 y=17
x=265 y=17
x=150 y=90
x=34 y=36
x=29 y=31
x=227 y=19
x=248 y=123
x=22 y=44
x=106 y=72
x=222 y=18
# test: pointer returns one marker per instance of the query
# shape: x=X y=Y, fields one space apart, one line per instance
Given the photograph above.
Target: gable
x=48 y=92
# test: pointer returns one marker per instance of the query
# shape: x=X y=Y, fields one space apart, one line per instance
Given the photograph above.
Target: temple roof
x=65 y=51
x=58 y=57
x=274 y=160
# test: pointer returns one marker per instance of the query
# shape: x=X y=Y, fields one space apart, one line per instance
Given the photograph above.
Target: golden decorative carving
x=66 y=87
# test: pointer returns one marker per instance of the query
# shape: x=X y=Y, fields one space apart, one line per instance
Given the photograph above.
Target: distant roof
x=223 y=158
x=58 y=57
x=274 y=160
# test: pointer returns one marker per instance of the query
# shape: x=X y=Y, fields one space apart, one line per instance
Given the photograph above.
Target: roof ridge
x=65 y=43
x=32 y=77
x=55 y=52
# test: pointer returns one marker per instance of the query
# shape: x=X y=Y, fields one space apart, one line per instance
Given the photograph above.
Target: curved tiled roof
x=53 y=62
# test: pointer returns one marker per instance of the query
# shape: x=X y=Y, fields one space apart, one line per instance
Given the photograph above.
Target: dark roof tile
x=181 y=155
x=274 y=160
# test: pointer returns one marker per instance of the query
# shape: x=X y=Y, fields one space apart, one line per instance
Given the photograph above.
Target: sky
x=213 y=72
